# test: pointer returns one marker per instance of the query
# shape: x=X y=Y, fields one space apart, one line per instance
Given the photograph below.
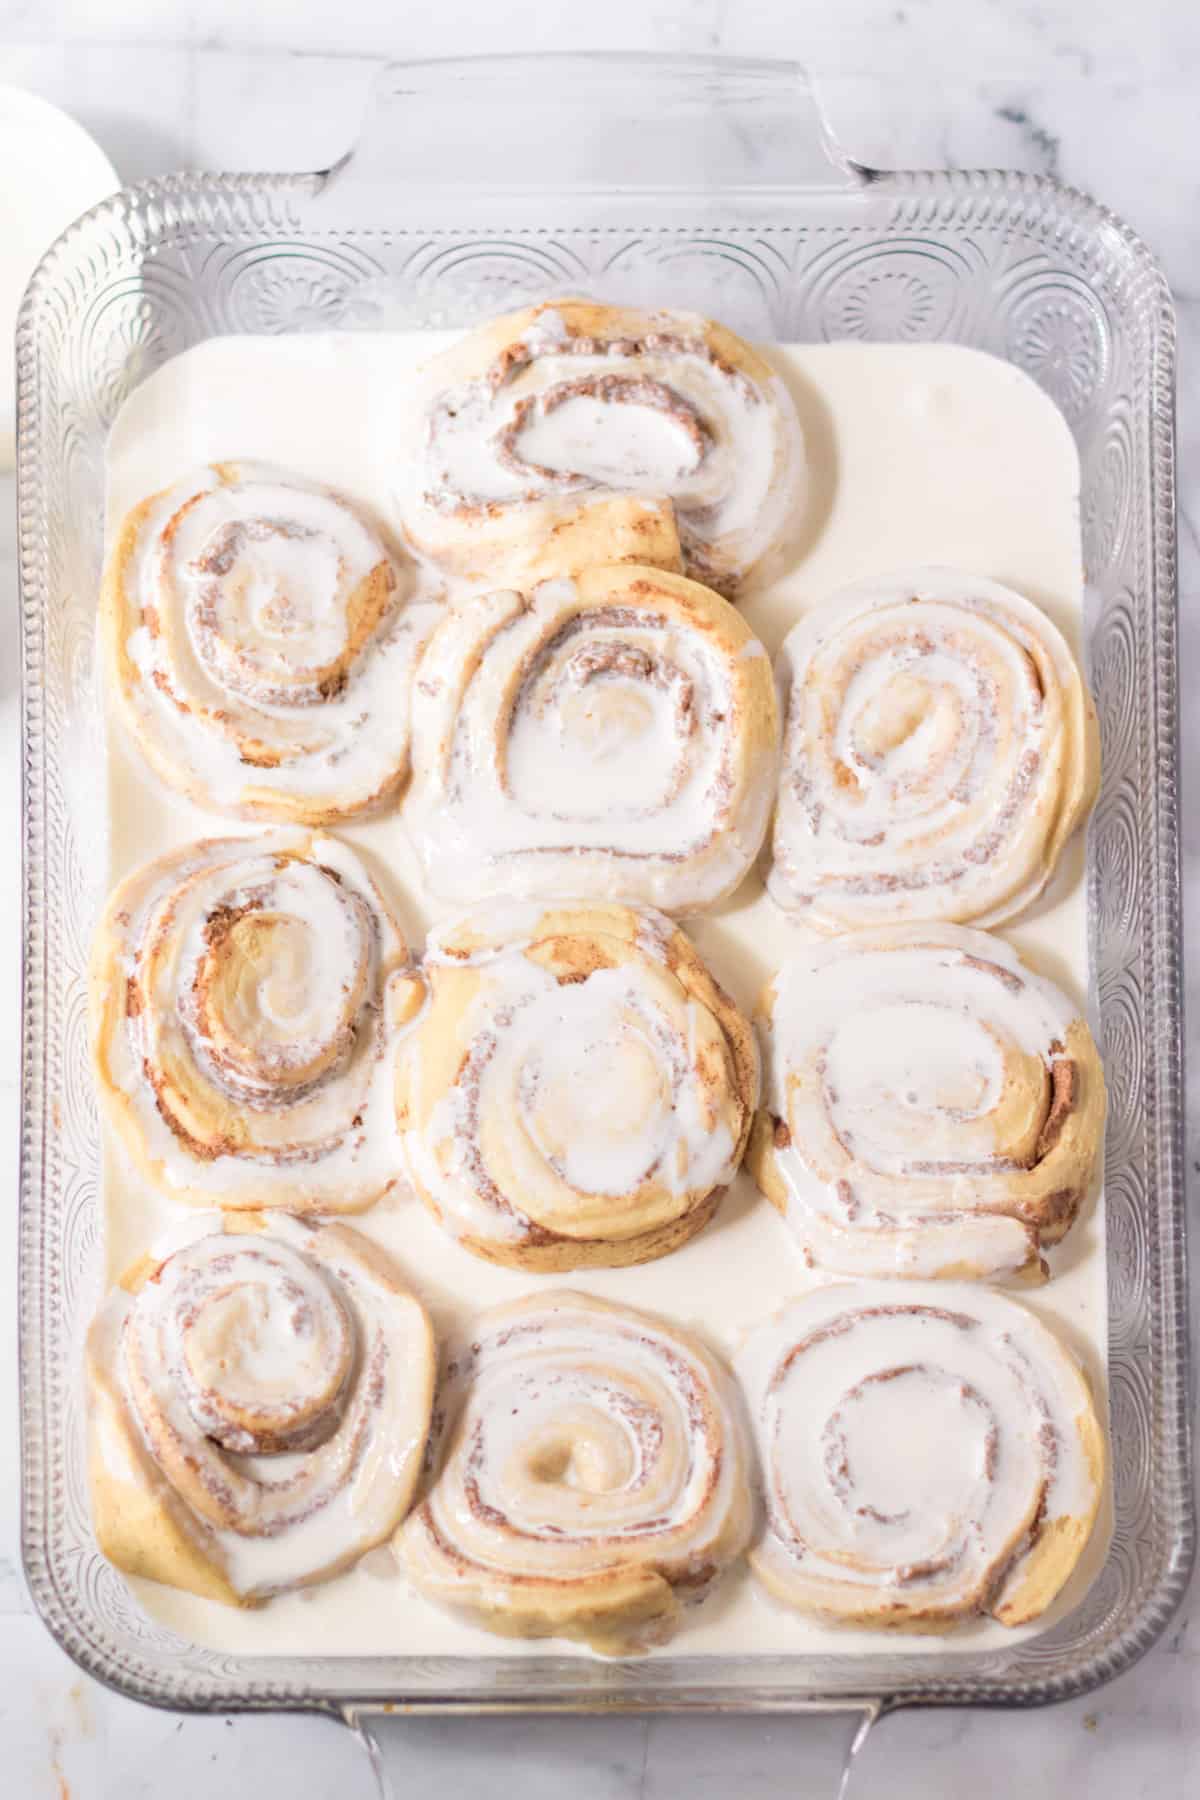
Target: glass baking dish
x=690 y=183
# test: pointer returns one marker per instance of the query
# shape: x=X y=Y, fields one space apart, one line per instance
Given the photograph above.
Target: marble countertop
x=1103 y=98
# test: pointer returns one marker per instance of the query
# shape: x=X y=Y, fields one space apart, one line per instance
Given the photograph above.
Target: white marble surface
x=1102 y=96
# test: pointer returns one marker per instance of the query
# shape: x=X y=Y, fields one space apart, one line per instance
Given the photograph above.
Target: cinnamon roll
x=539 y=427
x=925 y=1460
x=258 y=643
x=577 y=1090
x=613 y=735
x=591 y=1477
x=940 y=749
x=933 y=1107
x=241 y=991
x=259 y=1402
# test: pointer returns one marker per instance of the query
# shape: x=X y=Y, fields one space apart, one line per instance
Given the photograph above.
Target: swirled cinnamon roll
x=940 y=748
x=591 y=1477
x=259 y=1402
x=260 y=647
x=614 y=735
x=933 y=1107
x=925 y=1459
x=541 y=427
x=577 y=1091
x=240 y=1000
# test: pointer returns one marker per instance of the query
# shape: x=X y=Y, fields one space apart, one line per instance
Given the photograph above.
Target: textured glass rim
x=549 y=1683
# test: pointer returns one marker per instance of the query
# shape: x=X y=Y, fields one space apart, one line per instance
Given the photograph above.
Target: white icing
x=579 y=1438
x=320 y=1007
x=594 y=1088
x=227 y=663
x=887 y=1059
x=733 y=470
x=506 y=927
x=906 y=1438
x=933 y=724
x=568 y=750
x=644 y=452
x=292 y=1321
x=925 y=451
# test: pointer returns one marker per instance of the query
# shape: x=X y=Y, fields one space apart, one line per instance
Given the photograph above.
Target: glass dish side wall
x=1008 y=264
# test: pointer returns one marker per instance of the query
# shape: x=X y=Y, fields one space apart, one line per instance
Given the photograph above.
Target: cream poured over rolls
x=940 y=747
x=577 y=1090
x=240 y=1002
x=925 y=1459
x=260 y=1403
x=592 y=1475
x=540 y=427
x=932 y=1106
x=614 y=735
x=260 y=647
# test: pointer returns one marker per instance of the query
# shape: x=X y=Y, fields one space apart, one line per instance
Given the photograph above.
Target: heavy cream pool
x=918 y=454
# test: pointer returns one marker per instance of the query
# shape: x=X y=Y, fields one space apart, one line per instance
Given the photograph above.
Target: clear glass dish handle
x=611 y=127
x=823 y=1747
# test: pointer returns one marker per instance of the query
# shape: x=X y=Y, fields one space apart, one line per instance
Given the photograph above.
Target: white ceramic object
x=52 y=172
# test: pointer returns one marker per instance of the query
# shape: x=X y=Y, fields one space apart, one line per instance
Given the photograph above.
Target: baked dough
x=933 y=1107
x=576 y=1091
x=260 y=645
x=540 y=427
x=591 y=1478
x=929 y=1454
x=259 y=1401
x=613 y=736
x=940 y=748
x=241 y=1023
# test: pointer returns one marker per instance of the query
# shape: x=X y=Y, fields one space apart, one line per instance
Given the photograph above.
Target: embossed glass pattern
x=719 y=197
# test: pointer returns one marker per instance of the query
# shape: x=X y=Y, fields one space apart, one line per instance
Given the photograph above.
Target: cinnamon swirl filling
x=925 y=1460
x=546 y=421
x=934 y=1107
x=577 y=1091
x=266 y=1393
x=614 y=735
x=241 y=1029
x=260 y=645
x=590 y=1478
x=940 y=748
